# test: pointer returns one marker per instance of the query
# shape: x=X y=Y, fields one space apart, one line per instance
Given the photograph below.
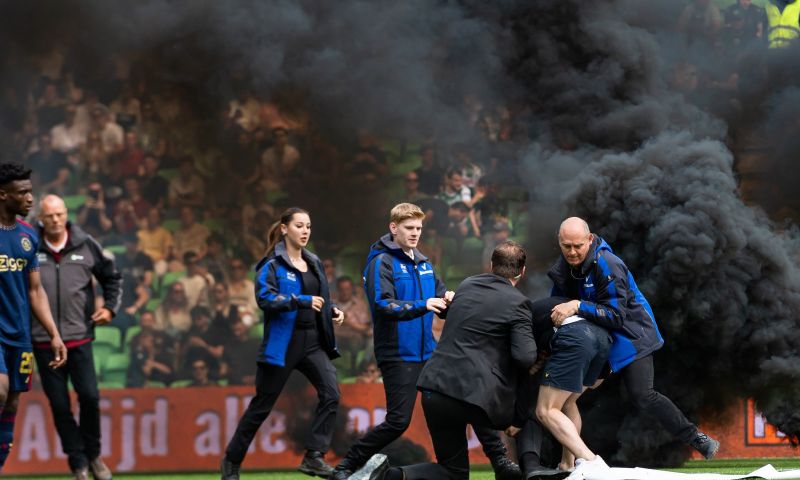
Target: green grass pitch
x=482 y=472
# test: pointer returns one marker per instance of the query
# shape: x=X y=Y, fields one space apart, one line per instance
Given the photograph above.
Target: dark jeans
x=81 y=442
x=447 y=420
x=638 y=378
x=305 y=355
x=400 y=385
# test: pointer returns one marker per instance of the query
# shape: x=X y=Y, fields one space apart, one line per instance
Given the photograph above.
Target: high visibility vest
x=784 y=27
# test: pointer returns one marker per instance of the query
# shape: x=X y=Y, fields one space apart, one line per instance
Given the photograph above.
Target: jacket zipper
x=58 y=297
x=422 y=317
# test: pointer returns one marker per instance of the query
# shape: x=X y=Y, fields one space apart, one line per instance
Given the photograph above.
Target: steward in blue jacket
x=610 y=298
x=279 y=294
x=604 y=292
x=398 y=288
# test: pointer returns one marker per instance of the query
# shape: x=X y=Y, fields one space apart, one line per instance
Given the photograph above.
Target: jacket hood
x=386 y=244
x=280 y=252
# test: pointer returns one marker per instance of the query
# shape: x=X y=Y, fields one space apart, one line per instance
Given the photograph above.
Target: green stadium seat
x=171 y=224
x=257 y=331
x=168 y=279
x=153 y=304
x=215 y=224
x=180 y=383
x=100 y=354
x=115 y=249
x=116 y=368
x=156 y=384
x=108 y=335
x=74 y=202
x=129 y=334
x=168 y=173
x=110 y=385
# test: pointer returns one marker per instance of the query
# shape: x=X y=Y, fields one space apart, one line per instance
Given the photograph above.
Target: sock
x=6 y=434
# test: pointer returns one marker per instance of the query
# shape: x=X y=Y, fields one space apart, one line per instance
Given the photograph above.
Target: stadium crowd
x=183 y=204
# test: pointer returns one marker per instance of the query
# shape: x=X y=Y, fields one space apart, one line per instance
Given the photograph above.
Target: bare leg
x=548 y=410
x=570 y=409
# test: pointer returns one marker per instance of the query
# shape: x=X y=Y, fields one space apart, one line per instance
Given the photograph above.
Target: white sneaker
x=587 y=470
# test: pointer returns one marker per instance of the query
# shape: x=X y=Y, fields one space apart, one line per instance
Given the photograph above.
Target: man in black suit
x=471 y=378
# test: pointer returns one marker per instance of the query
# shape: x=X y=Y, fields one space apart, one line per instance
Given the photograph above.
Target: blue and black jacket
x=398 y=289
x=279 y=288
x=610 y=298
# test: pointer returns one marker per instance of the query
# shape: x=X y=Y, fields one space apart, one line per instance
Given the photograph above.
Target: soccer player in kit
x=21 y=293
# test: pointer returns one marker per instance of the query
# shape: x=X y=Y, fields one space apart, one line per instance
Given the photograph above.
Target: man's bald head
x=53 y=214
x=574 y=239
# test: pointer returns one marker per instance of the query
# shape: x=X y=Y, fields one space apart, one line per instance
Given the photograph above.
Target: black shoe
x=314 y=464
x=375 y=468
x=505 y=469
x=706 y=445
x=343 y=471
x=543 y=473
x=229 y=470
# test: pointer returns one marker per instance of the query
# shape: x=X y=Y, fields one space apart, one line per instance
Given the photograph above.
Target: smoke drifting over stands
x=608 y=121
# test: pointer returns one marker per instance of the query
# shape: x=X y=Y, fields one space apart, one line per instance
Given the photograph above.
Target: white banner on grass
x=767 y=472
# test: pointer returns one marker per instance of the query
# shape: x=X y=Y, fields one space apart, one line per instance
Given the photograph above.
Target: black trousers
x=305 y=355
x=80 y=441
x=638 y=378
x=400 y=386
x=447 y=420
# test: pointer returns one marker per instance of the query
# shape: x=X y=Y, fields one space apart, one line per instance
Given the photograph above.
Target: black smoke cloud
x=647 y=163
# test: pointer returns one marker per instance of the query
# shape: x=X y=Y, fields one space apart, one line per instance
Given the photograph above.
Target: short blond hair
x=406 y=211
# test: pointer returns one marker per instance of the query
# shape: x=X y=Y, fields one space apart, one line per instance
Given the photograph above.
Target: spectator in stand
x=430 y=173
x=154 y=186
x=225 y=314
x=370 y=373
x=242 y=292
x=278 y=161
x=489 y=218
x=127 y=108
x=132 y=156
x=155 y=241
x=172 y=316
x=459 y=226
x=197 y=282
x=454 y=189
x=255 y=237
x=700 y=21
x=49 y=108
x=369 y=162
x=201 y=375
x=51 y=169
x=149 y=127
x=330 y=275
x=111 y=134
x=200 y=343
x=244 y=112
x=67 y=137
x=355 y=334
x=240 y=352
x=152 y=355
x=93 y=215
x=131 y=210
x=411 y=191
x=216 y=259
x=744 y=24
x=137 y=276
x=191 y=236
x=470 y=172
x=92 y=160
x=186 y=189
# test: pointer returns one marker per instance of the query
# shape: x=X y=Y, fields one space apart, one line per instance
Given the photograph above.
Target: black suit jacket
x=487 y=337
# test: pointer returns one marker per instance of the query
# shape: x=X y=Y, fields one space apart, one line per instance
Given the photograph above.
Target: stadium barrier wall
x=186 y=429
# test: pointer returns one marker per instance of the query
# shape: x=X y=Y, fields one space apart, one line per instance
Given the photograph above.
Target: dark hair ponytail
x=274 y=235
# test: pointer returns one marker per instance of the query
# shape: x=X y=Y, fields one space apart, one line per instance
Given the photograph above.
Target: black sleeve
x=523 y=345
x=106 y=273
